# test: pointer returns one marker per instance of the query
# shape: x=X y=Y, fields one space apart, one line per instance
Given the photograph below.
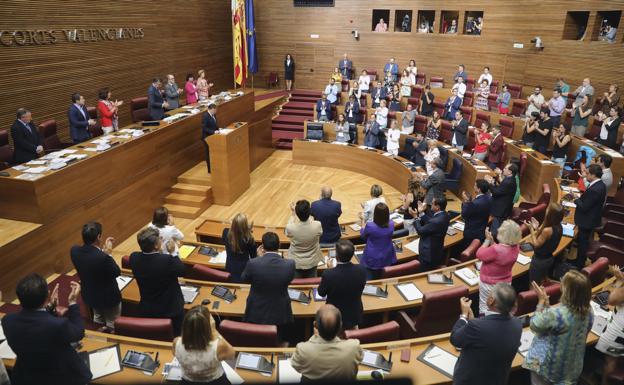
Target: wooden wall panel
x=281 y=28
x=180 y=37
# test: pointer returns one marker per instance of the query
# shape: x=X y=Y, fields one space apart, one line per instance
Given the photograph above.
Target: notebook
x=467 y=275
x=409 y=291
x=105 y=361
x=186 y=250
x=286 y=374
x=439 y=359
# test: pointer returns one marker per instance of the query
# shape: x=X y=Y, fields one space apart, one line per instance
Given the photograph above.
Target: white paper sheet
x=568 y=204
x=36 y=163
x=2 y=336
x=568 y=229
x=523 y=259
x=189 y=293
x=525 y=340
x=459 y=225
x=20 y=167
x=219 y=258
x=123 y=281
x=467 y=275
x=104 y=362
x=413 y=245
x=410 y=291
x=441 y=359
x=286 y=373
x=37 y=170
x=231 y=374
x=355 y=227
x=6 y=353
x=599 y=325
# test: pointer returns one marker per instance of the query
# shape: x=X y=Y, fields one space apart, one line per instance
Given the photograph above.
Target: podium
x=229 y=163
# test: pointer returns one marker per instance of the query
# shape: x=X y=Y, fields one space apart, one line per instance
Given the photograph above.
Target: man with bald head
x=327 y=211
x=584 y=89
x=325 y=355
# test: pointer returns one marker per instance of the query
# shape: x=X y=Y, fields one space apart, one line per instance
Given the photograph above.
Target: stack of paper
x=413 y=245
x=468 y=275
x=219 y=259
x=6 y=353
x=286 y=373
x=231 y=374
x=409 y=291
x=458 y=225
x=523 y=259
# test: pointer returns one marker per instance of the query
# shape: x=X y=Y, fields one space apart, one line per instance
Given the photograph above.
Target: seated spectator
x=372 y=132
x=476 y=212
x=43 y=342
x=420 y=150
x=331 y=90
x=609 y=129
x=580 y=115
x=240 y=246
x=453 y=27
x=269 y=275
x=364 y=82
x=496 y=148
x=481 y=96
x=433 y=126
x=157 y=277
x=304 y=234
x=498 y=259
x=530 y=129
x=392 y=137
x=431 y=225
x=98 y=274
x=325 y=356
x=494 y=339
x=434 y=183
x=433 y=153
x=171 y=235
x=336 y=76
x=557 y=351
x=381 y=26
x=427 y=98
x=486 y=75
x=483 y=140
x=407 y=120
x=327 y=211
x=503 y=100
x=379 y=251
x=545 y=239
x=201 y=349
x=352 y=109
x=503 y=190
x=369 y=206
x=323 y=109
x=343 y=285
x=536 y=101
x=342 y=129
x=610 y=99
x=543 y=132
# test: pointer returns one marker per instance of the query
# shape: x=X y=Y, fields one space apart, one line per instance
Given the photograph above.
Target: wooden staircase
x=192 y=195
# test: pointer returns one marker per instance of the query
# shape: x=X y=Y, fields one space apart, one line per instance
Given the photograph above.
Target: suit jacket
x=319 y=108
x=355 y=107
x=502 y=197
x=172 y=95
x=451 y=107
x=476 y=214
x=495 y=151
x=268 y=302
x=434 y=185
x=343 y=286
x=327 y=211
x=78 y=123
x=418 y=158
x=155 y=103
x=97 y=271
x=488 y=346
x=377 y=92
x=209 y=125
x=318 y=359
x=157 y=276
x=432 y=230
x=372 y=134
x=460 y=131
x=588 y=211
x=304 y=249
x=41 y=342
x=345 y=68
x=24 y=142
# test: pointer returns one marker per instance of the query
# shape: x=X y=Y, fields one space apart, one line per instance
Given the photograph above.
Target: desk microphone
x=272 y=355
x=390 y=357
x=234 y=293
x=386 y=291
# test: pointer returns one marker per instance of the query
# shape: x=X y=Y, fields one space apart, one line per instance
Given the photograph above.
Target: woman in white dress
x=382 y=115
x=432 y=154
x=611 y=342
x=171 y=235
x=364 y=82
x=412 y=70
x=406 y=84
x=393 y=135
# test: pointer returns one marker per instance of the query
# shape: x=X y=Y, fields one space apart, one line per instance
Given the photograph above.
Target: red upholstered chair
x=94 y=129
x=567 y=120
x=344 y=85
x=125 y=262
x=421 y=79
x=570 y=101
x=248 y=334
x=472 y=142
x=468 y=99
x=436 y=82
x=439 y=311
x=420 y=124
x=470 y=83
x=6 y=153
x=407 y=268
x=494 y=87
x=594 y=130
x=206 y=273
x=606 y=239
x=363 y=102
x=148 y=328
x=527 y=300
x=480 y=118
x=492 y=105
x=306 y=281
x=416 y=93
x=372 y=74
x=544 y=198
x=439 y=106
x=468 y=254
x=446 y=135
x=139 y=110
x=507 y=127
x=388 y=331
x=48 y=132
x=518 y=107
x=272 y=79
x=523 y=163
x=597 y=271
x=515 y=90
x=414 y=101
x=467 y=113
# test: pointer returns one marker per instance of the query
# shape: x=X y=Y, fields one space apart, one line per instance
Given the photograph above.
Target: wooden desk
x=329 y=131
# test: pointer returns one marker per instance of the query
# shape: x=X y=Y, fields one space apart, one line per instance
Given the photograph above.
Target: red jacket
x=495 y=154
x=106 y=115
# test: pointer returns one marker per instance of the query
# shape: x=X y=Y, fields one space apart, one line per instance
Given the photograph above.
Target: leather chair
x=518 y=107
x=6 y=153
x=248 y=334
x=594 y=130
x=597 y=271
x=446 y=135
x=439 y=106
x=206 y=273
x=444 y=156
x=494 y=87
x=440 y=309
x=470 y=83
x=421 y=79
x=372 y=74
x=527 y=300
x=605 y=239
x=469 y=253
x=94 y=129
x=363 y=103
x=492 y=105
x=306 y=281
x=523 y=164
x=480 y=118
x=139 y=110
x=466 y=112
x=344 y=85
x=414 y=101
x=401 y=269
x=148 y=328
x=272 y=79
x=388 y=331
x=125 y=262
x=541 y=205
x=471 y=142
x=507 y=127
x=452 y=179
x=48 y=132
x=436 y=82
x=468 y=99
x=420 y=124
x=515 y=90
x=416 y=94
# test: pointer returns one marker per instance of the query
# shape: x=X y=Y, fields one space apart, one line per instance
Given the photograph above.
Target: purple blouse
x=379 y=251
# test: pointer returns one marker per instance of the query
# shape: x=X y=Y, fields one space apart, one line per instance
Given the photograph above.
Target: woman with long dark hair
x=545 y=238
x=289 y=71
x=379 y=251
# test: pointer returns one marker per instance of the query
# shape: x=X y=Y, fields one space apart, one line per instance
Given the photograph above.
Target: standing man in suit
x=503 y=190
x=157 y=276
x=488 y=344
x=304 y=234
x=461 y=73
x=323 y=109
x=79 y=121
x=434 y=184
x=41 y=340
x=352 y=110
x=209 y=127
x=172 y=93
x=327 y=211
x=27 y=144
x=378 y=93
x=431 y=225
x=476 y=212
x=98 y=272
x=343 y=285
x=392 y=69
x=155 y=102
x=460 y=131
x=452 y=105
x=496 y=149
x=268 y=302
x=588 y=213
x=420 y=150
x=345 y=66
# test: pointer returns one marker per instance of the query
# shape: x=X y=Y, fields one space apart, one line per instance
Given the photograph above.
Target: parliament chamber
x=312 y=191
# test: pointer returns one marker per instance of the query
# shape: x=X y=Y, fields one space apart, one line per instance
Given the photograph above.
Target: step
x=284 y=145
x=184 y=211
x=288 y=111
x=187 y=200
x=191 y=189
x=304 y=99
x=306 y=93
x=299 y=106
x=287 y=127
x=196 y=180
x=277 y=134
x=290 y=119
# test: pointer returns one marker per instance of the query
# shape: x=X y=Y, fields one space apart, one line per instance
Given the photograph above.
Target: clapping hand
x=488 y=178
x=488 y=235
x=466 y=307
x=542 y=297
x=75 y=292
x=108 y=245
x=54 y=296
x=534 y=223
x=616 y=272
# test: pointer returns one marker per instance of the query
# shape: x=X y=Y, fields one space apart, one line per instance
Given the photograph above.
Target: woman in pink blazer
x=190 y=89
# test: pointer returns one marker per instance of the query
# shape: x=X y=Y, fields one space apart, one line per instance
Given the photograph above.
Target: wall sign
x=31 y=37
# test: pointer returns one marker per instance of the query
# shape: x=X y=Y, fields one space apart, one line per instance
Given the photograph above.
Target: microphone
x=390 y=357
x=272 y=355
x=386 y=291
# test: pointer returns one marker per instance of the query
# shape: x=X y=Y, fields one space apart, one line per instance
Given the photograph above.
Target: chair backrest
x=468 y=99
x=436 y=82
x=306 y=281
x=446 y=135
x=273 y=77
x=466 y=113
x=456 y=170
x=492 y=105
x=470 y=252
x=407 y=268
x=480 y=118
x=416 y=93
x=597 y=271
x=139 y=110
x=314 y=130
x=205 y=273
x=438 y=106
x=507 y=127
x=518 y=107
x=538 y=211
x=148 y=328
x=527 y=300
x=594 y=129
x=413 y=100
x=443 y=156
x=420 y=124
x=94 y=129
x=125 y=262
x=470 y=83
x=6 y=153
x=388 y=331
x=344 y=85
x=472 y=141
x=440 y=310
x=545 y=197
x=47 y=130
x=515 y=90
x=421 y=78
x=372 y=74
x=494 y=87
x=248 y=334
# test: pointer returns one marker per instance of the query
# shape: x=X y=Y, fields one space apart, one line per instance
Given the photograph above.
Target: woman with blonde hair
x=240 y=246
x=376 y=193
x=557 y=351
x=203 y=88
x=201 y=349
x=432 y=154
x=498 y=259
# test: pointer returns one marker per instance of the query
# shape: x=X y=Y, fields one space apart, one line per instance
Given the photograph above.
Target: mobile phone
x=215 y=304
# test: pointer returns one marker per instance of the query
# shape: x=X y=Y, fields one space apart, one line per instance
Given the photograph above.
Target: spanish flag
x=239 y=41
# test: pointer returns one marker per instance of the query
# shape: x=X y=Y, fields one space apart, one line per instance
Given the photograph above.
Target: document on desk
x=526 y=339
x=219 y=259
x=467 y=275
x=123 y=281
x=185 y=251
x=286 y=374
x=413 y=245
x=409 y=291
x=568 y=229
x=231 y=374
x=37 y=170
x=568 y=204
x=439 y=359
x=103 y=362
x=459 y=225
x=523 y=259
x=225 y=131
x=189 y=293
x=6 y=353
